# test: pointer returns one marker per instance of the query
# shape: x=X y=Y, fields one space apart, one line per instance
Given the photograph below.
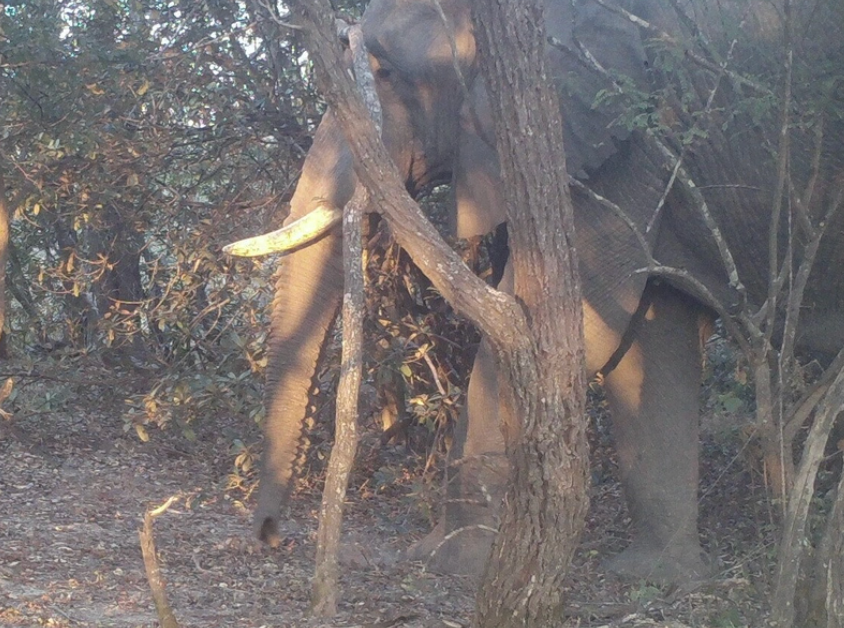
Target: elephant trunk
x=309 y=290
x=308 y=293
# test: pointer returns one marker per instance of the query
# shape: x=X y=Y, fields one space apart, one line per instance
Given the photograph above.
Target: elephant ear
x=590 y=48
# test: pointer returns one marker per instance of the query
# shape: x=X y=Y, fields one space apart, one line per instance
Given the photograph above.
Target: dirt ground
x=74 y=487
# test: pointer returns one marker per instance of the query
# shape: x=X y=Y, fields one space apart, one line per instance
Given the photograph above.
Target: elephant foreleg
x=477 y=475
x=653 y=397
x=477 y=478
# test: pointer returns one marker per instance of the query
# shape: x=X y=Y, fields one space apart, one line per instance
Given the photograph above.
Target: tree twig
x=794 y=531
x=156 y=584
x=693 y=56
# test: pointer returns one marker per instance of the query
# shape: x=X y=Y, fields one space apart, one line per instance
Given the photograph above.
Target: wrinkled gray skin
x=435 y=136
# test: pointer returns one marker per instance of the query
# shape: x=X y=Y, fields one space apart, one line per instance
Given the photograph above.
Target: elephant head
x=413 y=62
x=643 y=334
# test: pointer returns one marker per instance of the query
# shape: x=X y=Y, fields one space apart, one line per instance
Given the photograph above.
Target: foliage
x=138 y=138
x=416 y=337
x=726 y=383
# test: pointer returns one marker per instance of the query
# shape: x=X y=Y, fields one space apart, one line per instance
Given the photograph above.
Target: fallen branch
x=159 y=595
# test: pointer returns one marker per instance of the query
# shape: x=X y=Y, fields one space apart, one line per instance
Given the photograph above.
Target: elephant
x=643 y=330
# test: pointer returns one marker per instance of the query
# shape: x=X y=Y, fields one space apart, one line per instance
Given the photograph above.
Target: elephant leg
x=653 y=397
x=477 y=479
x=478 y=473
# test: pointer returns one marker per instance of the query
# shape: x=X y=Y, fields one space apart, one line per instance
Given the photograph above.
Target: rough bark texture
x=5 y=211
x=834 y=559
x=546 y=501
x=324 y=590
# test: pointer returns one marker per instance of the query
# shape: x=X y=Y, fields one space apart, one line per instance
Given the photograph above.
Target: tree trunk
x=546 y=502
x=324 y=591
x=5 y=220
x=799 y=503
x=834 y=561
x=536 y=333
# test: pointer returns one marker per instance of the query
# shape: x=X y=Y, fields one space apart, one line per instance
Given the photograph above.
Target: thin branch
x=804 y=204
x=782 y=177
x=459 y=531
x=272 y=13
x=816 y=160
x=801 y=280
x=705 y=294
x=324 y=588
x=156 y=584
x=693 y=56
x=615 y=209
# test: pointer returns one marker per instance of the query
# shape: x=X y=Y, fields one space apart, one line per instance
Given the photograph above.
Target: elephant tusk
x=308 y=228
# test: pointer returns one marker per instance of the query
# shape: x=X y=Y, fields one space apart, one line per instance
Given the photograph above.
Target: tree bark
x=5 y=225
x=799 y=502
x=324 y=592
x=834 y=561
x=547 y=500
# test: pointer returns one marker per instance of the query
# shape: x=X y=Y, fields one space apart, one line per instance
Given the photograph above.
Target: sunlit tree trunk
x=5 y=218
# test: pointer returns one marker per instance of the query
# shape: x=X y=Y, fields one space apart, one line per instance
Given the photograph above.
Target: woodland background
x=136 y=139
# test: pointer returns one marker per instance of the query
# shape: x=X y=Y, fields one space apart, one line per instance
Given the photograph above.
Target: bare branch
x=324 y=590
x=272 y=13
x=700 y=289
x=801 y=279
x=816 y=160
x=156 y=583
x=783 y=175
x=804 y=203
x=693 y=56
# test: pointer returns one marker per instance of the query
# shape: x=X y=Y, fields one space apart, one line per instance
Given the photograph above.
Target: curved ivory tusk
x=308 y=228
